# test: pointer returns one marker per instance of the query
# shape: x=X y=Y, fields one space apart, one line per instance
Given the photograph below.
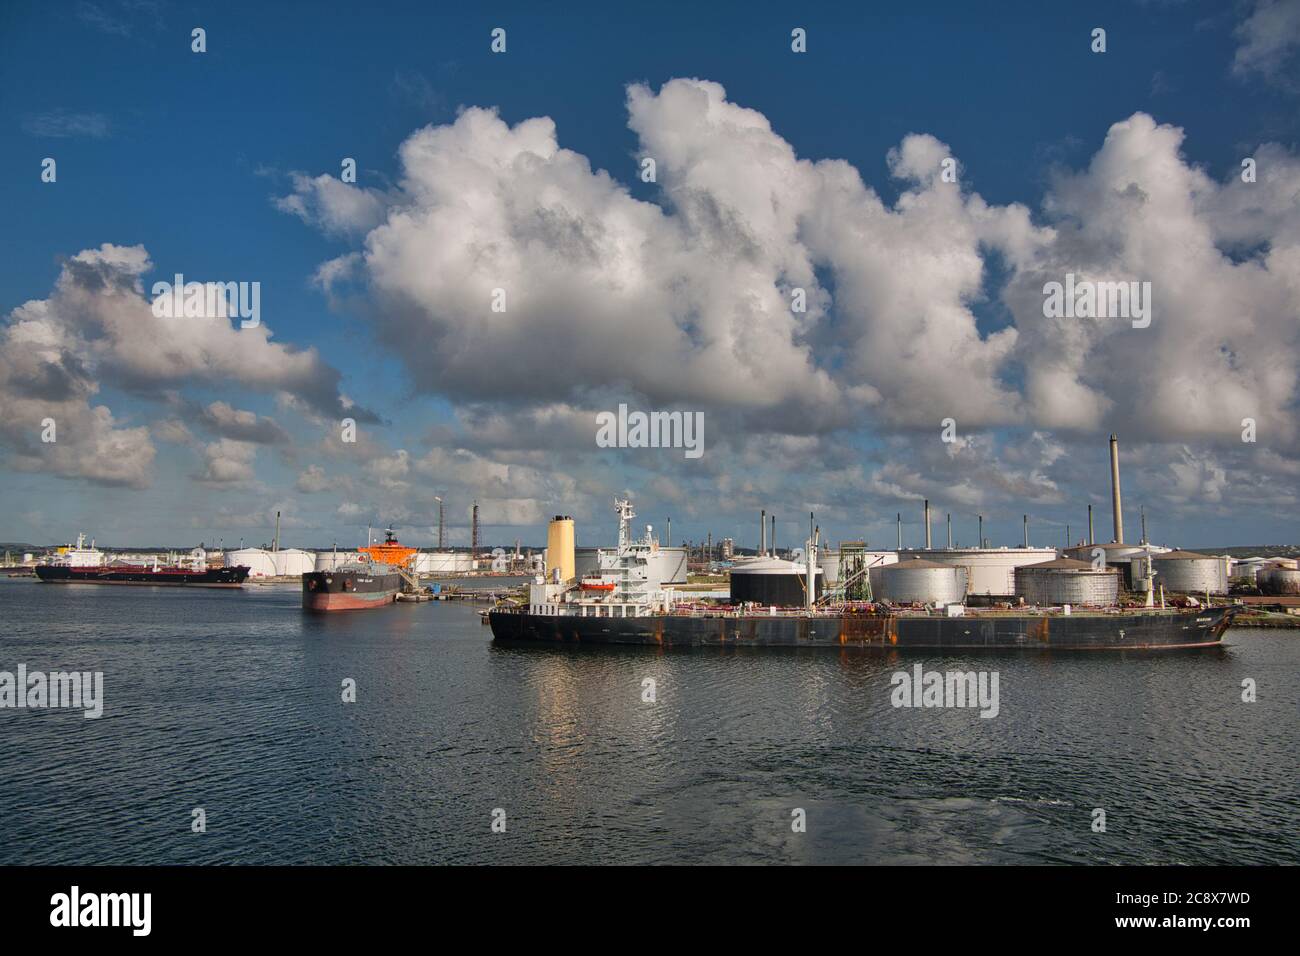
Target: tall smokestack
x=927 y=524
x=1144 y=524
x=900 y=531
x=762 y=533
x=1091 y=539
x=810 y=565
x=979 y=542
x=473 y=532
x=1026 y=531
x=669 y=532
x=949 y=530
x=276 y=545
x=1117 y=509
x=773 y=536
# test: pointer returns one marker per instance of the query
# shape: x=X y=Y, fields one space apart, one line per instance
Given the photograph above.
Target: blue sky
x=185 y=155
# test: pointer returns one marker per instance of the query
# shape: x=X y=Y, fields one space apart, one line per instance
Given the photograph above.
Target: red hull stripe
x=346 y=601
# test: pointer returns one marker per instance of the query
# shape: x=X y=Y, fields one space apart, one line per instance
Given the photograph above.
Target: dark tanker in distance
x=78 y=564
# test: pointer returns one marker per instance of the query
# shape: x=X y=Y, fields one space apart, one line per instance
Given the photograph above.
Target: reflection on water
x=231 y=701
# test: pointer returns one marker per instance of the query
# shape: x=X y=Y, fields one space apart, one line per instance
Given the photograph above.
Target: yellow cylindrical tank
x=559 y=548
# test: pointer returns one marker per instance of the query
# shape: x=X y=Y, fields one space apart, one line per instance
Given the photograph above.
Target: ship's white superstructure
x=78 y=555
x=632 y=569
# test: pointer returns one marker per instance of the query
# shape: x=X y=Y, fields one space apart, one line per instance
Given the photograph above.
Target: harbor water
x=232 y=702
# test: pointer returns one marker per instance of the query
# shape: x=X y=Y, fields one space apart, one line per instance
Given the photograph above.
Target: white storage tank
x=292 y=562
x=667 y=565
x=989 y=571
x=1245 y=569
x=671 y=565
x=1120 y=556
x=1067 y=581
x=917 y=581
x=828 y=559
x=430 y=563
x=330 y=560
x=257 y=560
x=1186 y=572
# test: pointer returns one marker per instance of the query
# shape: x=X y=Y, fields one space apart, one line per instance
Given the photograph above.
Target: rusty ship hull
x=349 y=589
x=1155 y=630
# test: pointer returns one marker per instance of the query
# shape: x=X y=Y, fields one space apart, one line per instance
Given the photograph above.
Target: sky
x=503 y=268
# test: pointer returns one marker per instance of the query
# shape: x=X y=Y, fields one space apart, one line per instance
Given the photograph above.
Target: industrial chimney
x=762 y=533
x=927 y=524
x=1115 y=504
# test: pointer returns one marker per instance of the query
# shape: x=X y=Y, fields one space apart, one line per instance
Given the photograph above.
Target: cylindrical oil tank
x=1067 y=581
x=292 y=562
x=1245 y=569
x=828 y=559
x=1117 y=555
x=585 y=562
x=989 y=571
x=917 y=581
x=443 y=562
x=771 y=581
x=1186 y=572
x=1277 y=581
x=257 y=560
x=671 y=564
x=668 y=565
x=559 y=548
x=330 y=560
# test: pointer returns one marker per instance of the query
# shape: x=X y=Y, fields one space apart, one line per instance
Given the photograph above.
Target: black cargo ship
x=636 y=610
x=994 y=630
x=350 y=588
x=154 y=576
x=373 y=581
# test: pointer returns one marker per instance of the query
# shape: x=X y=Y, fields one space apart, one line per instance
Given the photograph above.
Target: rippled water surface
x=230 y=701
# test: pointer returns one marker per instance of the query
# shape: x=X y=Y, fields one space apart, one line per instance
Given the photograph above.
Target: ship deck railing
x=908 y=611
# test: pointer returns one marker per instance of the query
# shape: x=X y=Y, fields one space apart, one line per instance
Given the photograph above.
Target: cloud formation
x=688 y=301
x=97 y=329
x=1269 y=42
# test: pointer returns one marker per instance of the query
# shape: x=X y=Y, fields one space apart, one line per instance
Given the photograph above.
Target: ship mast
x=625 y=515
